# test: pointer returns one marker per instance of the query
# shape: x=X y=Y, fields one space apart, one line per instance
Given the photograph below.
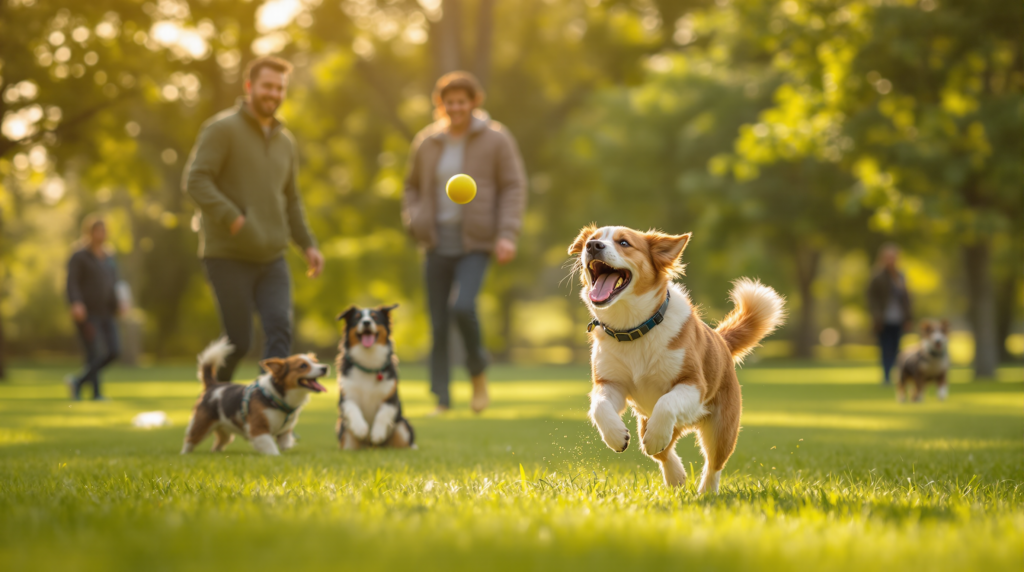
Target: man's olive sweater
x=236 y=169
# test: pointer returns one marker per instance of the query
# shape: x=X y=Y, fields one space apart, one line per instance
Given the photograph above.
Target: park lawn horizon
x=829 y=473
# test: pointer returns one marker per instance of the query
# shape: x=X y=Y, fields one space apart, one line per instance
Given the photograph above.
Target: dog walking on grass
x=264 y=412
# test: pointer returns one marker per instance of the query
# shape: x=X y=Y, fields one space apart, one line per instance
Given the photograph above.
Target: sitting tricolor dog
x=264 y=412
x=652 y=351
x=370 y=413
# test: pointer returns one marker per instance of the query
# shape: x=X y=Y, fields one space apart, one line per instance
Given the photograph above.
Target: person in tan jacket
x=460 y=239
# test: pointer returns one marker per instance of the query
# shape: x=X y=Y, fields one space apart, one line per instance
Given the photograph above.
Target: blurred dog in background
x=928 y=361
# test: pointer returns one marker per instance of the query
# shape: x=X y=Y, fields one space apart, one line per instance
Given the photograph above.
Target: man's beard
x=266 y=106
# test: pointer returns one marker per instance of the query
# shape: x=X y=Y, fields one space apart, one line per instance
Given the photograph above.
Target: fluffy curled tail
x=758 y=311
x=212 y=358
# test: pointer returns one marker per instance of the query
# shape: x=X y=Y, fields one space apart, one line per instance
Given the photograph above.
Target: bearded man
x=242 y=173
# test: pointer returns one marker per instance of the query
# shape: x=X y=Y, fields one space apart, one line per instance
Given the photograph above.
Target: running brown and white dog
x=925 y=362
x=369 y=410
x=652 y=351
x=264 y=412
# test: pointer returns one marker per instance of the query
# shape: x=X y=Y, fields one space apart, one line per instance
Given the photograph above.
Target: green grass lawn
x=830 y=473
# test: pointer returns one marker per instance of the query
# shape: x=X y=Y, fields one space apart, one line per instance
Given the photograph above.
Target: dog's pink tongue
x=602 y=289
x=368 y=339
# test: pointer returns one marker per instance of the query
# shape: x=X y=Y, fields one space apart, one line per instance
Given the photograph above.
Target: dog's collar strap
x=378 y=372
x=639 y=331
x=276 y=401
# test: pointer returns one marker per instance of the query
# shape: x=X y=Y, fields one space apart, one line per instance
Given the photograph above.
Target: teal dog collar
x=639 y=331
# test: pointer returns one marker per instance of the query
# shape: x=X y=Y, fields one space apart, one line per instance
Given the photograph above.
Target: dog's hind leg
x=198 y=427
x=671 y=465
x=718 y=434
x=221 y=438
x=348 y=441
x=403 y=436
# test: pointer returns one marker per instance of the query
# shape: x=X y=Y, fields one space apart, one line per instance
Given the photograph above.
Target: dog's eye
x=623 y=242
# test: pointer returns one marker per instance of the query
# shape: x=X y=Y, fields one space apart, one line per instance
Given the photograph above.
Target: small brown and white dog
x=264 y=412
x=925 y=362
x=369 y=411
x=652 y=351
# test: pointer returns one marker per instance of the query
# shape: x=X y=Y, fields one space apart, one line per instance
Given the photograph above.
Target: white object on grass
x=151 y=419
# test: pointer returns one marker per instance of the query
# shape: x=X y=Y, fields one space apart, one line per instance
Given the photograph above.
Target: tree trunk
x=1004 y=316
x=806 y=270
x=446 y=38
x=3 y=351
x=484 y=41
x=3 y=276
x=982 y=309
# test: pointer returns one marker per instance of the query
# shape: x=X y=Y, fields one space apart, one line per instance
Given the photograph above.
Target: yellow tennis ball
x=461 y=189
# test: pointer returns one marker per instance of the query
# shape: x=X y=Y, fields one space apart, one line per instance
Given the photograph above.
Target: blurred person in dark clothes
x=92 y=293
x=889 y=304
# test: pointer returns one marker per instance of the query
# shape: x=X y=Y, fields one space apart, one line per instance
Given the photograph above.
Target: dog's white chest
x=279 y=421
x=933 y=367
x=645 y=371
x=366 y=391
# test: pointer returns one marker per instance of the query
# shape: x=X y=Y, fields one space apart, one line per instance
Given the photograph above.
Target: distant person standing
x=460 y=239
x=889 y=304
x=242 y=173
x=92 y=293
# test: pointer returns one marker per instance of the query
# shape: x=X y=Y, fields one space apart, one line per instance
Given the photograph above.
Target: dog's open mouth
x=312 y=384
x=606 y=281
x=367 y=338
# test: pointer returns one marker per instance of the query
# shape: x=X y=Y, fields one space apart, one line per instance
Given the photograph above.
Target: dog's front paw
x=378 y=435
x=658 y=435
x=359 y=428
x=615 y=435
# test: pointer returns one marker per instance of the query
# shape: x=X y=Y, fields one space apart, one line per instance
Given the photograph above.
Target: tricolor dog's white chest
x=366 y=391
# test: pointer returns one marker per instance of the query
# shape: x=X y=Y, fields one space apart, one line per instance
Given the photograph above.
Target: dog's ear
x=275 y=366
x=347 y=315
x=944 y=324
x=666 y=250
x=387 y=309
x=581 y=239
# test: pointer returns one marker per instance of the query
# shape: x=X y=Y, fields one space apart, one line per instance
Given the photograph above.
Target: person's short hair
x=884 y=250
x=252 y=71
x=457 y=80
x=90 y=222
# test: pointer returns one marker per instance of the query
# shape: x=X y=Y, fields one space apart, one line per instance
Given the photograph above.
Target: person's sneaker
x=480 y=399
x=70 y=382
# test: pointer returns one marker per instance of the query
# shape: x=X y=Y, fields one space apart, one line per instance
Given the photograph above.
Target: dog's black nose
x=594 y=245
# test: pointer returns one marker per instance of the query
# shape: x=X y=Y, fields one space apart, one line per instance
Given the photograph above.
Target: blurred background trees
x=793 y=138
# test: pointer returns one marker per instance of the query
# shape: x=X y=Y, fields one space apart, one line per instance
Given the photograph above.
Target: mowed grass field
x=830 y=474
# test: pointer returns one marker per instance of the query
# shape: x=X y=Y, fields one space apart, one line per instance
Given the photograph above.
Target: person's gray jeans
x=241 y=287
x=466 y=274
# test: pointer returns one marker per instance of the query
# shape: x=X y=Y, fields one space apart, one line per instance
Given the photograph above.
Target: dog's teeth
x=618 y=282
